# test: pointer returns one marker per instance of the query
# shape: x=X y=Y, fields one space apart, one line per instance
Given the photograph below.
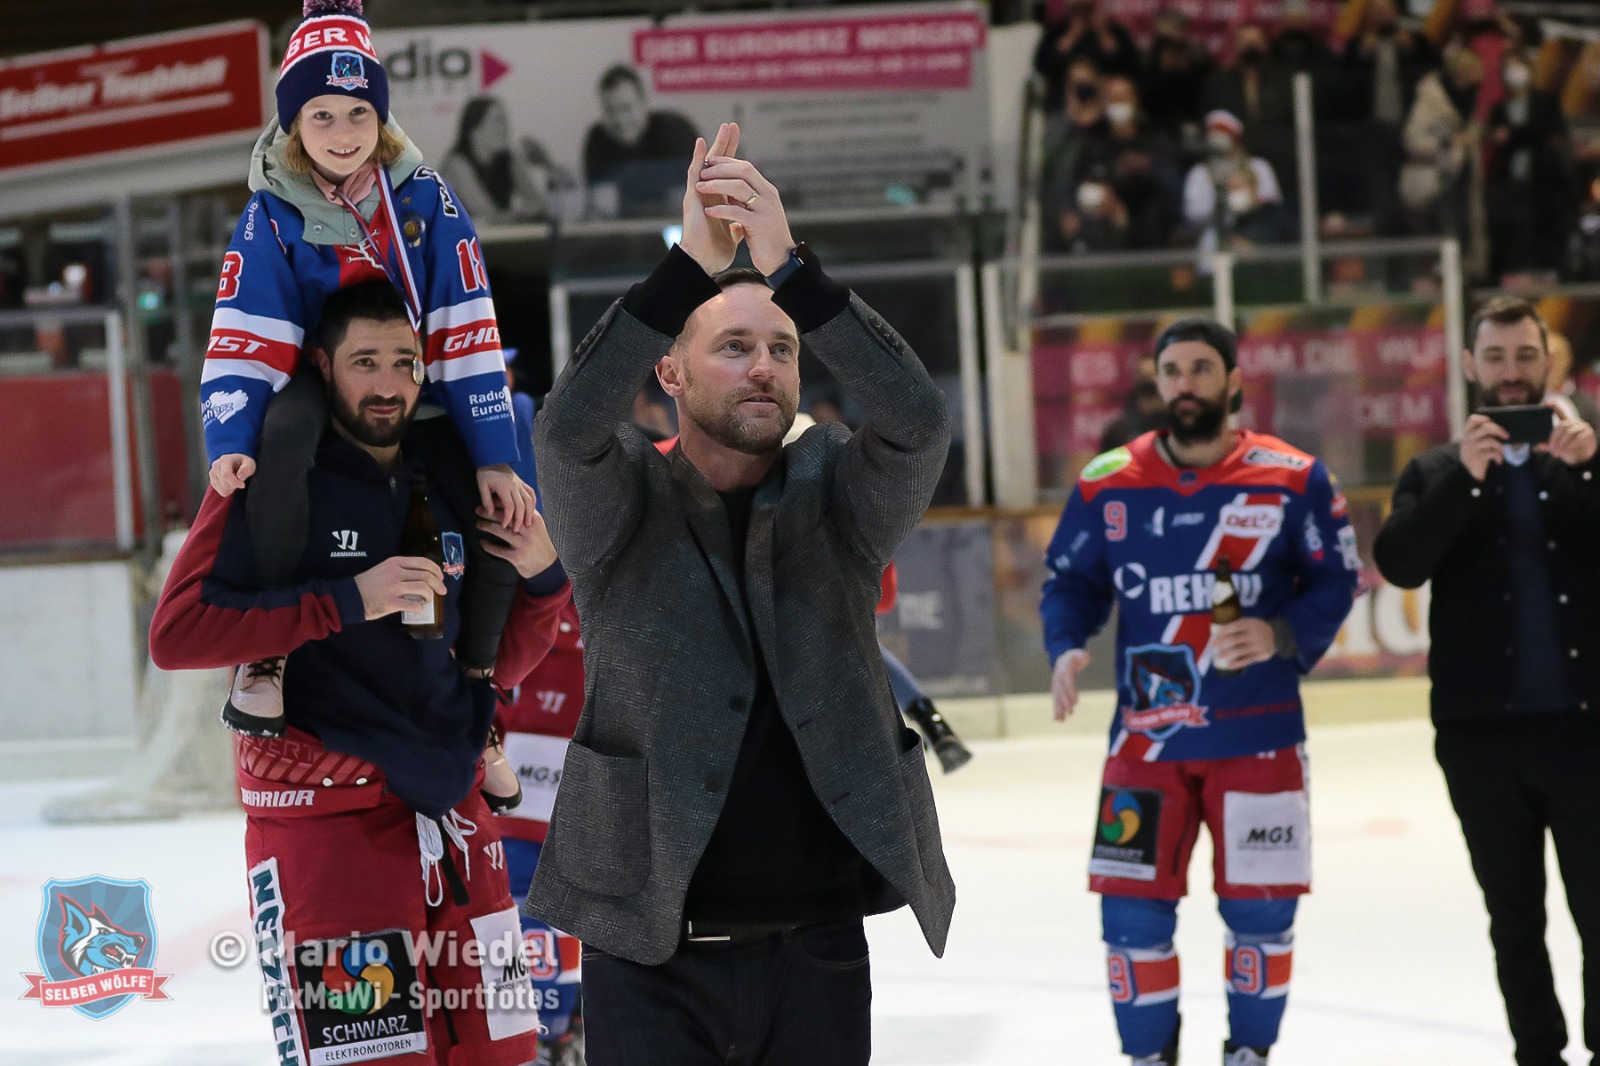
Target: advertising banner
x=158 y=92
x=597 y=119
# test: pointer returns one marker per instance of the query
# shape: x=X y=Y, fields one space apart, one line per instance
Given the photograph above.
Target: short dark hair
x=1206 y=331
x=1506 y=311
x=377 y=301
x=619 y=73
x=727 y=279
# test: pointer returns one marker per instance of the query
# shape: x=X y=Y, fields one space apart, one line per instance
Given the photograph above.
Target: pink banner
x=928 y=51
x=132 y=981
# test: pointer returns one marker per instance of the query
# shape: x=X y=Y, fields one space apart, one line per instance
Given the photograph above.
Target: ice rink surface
x=1392 y=960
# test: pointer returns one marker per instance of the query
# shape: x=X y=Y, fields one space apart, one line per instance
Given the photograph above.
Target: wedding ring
x=751 y=200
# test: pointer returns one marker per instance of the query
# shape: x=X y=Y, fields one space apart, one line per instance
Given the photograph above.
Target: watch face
x=802 y=252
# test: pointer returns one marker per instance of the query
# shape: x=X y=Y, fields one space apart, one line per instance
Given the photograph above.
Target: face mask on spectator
x=1250 y=56
x=1119 y=112
x=1084 y=90
x=1240 y=200
x=1091 y=196
x=1518 y=76
x=1219 y=142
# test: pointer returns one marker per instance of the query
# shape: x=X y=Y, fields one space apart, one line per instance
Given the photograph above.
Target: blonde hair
x=295 y=157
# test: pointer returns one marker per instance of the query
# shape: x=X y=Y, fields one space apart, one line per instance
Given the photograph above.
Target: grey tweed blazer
x=668 y=651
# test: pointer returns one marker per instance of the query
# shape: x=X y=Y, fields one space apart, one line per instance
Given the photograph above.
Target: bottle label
x=422 y=616
x=1221 y=594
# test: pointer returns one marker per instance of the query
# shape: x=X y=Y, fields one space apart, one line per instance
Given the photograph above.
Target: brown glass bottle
x=1224 y=604
x=420 y=539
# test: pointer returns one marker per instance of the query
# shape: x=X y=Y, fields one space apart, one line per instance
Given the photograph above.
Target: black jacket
x=1446 y=527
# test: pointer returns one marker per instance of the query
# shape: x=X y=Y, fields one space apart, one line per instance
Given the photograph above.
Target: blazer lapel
x=708 y=522
x=758 y=566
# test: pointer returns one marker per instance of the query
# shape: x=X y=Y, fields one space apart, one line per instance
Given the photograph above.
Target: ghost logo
x=347 y=71
x=1163 y=686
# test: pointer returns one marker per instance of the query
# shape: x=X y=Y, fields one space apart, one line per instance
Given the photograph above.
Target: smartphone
x=1524 y=423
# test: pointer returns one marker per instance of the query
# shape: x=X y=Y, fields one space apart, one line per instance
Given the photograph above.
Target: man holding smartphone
x=1504 y=523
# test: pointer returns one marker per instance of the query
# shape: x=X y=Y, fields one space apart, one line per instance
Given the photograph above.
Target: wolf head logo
x=90 y=944
x=1156 y=690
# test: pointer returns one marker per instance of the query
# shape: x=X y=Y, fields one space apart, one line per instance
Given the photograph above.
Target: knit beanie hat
x=331 y=53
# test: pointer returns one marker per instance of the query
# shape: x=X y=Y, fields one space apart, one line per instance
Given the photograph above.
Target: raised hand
x=752 y=202
x=707 y=239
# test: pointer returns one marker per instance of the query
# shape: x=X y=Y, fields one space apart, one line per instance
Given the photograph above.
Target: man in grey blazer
x=741 y=790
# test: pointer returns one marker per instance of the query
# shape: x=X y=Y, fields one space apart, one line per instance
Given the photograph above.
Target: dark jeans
x=279 y=510
x=792 y=999
x=1509 y=781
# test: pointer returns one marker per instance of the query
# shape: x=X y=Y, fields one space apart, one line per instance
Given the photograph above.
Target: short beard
x=724 y=424
x=1490 y=397
x=1201 y=427
x=363 y=431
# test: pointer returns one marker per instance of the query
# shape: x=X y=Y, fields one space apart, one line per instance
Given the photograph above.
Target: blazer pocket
x=601 y=831
x=924 y=815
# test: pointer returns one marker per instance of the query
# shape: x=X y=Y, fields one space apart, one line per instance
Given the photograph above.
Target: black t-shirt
x=775 y=855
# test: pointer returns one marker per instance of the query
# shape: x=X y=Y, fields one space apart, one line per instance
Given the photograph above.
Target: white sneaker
x=255 y=704
x=1243 y=1056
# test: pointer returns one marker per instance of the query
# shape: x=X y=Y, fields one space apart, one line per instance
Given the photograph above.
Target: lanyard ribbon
x=402 y=278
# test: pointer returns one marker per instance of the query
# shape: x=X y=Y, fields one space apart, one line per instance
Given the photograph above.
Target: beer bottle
x=420 y=538
x=1224 y=604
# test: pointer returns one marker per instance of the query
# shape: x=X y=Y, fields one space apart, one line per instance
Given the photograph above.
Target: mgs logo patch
x=97 y=946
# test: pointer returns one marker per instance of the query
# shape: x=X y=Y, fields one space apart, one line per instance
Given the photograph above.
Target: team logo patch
x=411 y=228
x=96 y=943
x=1126 y=834
x=347 y=71
x=1273 y=457
x=357 y=998
x=455 y=555
x=1108 y=463
x=1165 y=687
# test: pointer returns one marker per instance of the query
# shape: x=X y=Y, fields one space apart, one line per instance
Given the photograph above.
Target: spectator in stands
x=1252 y=219
x=1082 y=31
x=1442 y=178
x=1227 y=158
x=491 y=180
x=1382 y=65
x=1173 y=81
x=1489 y=35
x=1096 y=220
x=634 y=155
x=1143 y=411
x=1259 y=89
x=1067 y=136
x=1298 y=45
x=1561 y=387
x=1530 y=187
x=1141 y=164
x=1252 y=85
x=1583 y=245
x=1392 y=59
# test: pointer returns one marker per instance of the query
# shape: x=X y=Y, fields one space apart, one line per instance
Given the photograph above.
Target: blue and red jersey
x=1146 y=536
x=271 y=292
